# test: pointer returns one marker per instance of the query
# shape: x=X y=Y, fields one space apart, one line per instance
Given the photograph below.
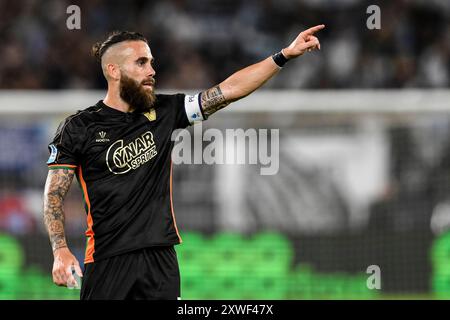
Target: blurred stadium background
x=364 y=124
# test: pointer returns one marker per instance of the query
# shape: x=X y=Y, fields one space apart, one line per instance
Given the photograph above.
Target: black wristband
x=280 y=59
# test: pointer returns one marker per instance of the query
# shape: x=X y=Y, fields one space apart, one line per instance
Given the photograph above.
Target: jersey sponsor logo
x=151 y=115
x=120 y=159
x=101 y=137
x=53 y=153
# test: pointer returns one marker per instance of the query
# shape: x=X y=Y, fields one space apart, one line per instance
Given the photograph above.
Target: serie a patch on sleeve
x=53 y=153
x=192 y=106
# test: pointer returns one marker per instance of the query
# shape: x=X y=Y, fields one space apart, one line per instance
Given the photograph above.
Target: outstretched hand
x=305 y=41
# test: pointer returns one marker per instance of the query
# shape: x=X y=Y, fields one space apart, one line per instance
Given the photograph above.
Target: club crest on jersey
x=151 y=115
x=120 y=159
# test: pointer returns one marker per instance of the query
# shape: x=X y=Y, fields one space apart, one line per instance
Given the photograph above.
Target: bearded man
x=120 y=151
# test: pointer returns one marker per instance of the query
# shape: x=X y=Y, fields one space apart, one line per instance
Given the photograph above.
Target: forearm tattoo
x=213 y=100
x=56 y=187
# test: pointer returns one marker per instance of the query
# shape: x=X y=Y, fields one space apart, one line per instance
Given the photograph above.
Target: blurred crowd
x=198 y=43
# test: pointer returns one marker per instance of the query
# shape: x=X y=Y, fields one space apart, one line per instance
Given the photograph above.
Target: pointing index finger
x=314 y=29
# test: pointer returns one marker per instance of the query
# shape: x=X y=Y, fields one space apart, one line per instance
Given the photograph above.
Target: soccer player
x=120 y=151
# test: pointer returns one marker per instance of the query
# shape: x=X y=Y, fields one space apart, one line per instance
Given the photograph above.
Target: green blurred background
x=230 y=266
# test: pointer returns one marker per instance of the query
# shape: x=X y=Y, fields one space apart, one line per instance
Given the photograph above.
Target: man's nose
x=151 y=72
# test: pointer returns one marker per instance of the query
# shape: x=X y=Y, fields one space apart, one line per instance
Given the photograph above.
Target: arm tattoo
x=213 y=100
x=56 y=187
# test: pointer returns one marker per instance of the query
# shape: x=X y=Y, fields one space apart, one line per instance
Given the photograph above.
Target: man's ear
x=113 y=71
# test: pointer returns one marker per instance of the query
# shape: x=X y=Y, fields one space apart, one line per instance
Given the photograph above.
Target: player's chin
x=148 y=88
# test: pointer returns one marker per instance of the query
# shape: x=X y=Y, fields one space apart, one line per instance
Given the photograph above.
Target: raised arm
x=247 y=80
x=56 y=187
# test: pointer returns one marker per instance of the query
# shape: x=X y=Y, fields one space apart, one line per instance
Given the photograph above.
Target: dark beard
x=133 y=93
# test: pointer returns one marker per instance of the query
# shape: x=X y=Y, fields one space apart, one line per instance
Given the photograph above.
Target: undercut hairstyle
x=99 y=49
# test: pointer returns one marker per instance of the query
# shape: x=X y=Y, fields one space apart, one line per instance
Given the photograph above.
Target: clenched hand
x=63 y=262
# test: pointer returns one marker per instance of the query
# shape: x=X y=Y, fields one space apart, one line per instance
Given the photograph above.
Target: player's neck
x=116 y=102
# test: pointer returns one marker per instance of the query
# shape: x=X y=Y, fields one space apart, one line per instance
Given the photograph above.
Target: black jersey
x=123 y=165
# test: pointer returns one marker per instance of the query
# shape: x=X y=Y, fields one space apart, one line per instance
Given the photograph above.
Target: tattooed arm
x=247 y=80
x=237 y=86
x=56 y=187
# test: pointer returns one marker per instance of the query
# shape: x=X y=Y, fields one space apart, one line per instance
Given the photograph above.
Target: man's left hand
x=305 y=41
